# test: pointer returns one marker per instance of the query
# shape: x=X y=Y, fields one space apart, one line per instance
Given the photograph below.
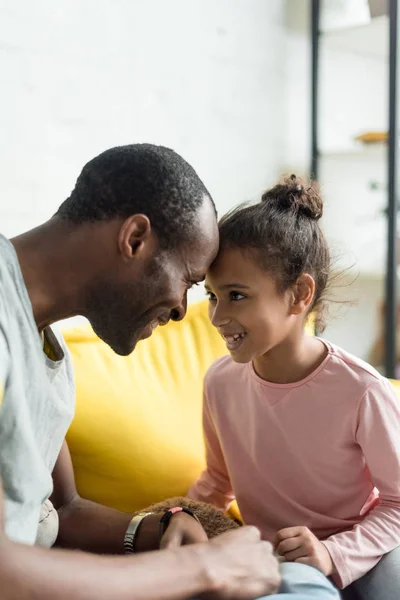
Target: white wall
x=204 y=77
x=353 y=99
x=224 y=82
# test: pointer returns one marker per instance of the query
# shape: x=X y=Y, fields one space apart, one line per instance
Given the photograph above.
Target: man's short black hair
x=139 y=178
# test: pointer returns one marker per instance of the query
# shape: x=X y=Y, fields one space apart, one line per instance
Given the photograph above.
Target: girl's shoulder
x=349 y=368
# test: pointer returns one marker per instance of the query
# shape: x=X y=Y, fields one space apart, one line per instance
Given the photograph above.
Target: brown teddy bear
x=213 y=520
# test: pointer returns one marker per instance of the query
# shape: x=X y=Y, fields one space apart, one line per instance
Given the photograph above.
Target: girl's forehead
x=234 y=265
x=229 y=259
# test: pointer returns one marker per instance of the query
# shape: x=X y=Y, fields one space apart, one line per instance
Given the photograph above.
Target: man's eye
x=211 y=296
x=235 y=296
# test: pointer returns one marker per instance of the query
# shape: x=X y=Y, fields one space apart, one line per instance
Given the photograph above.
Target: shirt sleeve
x=356 y=552
x=4 y=364
x=214 y=485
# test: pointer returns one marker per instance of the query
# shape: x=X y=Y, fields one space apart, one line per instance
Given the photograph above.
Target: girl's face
x=246 y=307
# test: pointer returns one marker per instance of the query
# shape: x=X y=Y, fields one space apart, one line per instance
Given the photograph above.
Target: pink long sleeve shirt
x=323 y=453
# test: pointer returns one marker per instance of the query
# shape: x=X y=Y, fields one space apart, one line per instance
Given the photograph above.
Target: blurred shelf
x=355 y=149
x=370 y=274
x=364 y=259
x=371 y=39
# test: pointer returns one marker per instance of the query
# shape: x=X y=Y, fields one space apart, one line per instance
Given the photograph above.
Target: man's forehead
x=196 y=268
x=200 y=246
x=206 y=218
x=199 y=255
x=200 y=251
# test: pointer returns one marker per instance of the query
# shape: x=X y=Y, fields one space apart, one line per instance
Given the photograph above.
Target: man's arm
x=236 y=565
x=85 y=525
x=91 y=527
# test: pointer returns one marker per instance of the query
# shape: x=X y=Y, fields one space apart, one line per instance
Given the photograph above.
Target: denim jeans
x=300 y=582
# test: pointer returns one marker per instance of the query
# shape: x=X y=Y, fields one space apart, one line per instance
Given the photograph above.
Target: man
x=137 y=231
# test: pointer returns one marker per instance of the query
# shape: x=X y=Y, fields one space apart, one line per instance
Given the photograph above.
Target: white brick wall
x=202 y=76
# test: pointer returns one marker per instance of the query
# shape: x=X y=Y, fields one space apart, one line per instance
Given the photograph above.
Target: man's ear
x=134 y=232
x=303 y=294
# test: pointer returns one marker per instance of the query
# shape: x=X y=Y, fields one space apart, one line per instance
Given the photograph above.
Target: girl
x=304 y=435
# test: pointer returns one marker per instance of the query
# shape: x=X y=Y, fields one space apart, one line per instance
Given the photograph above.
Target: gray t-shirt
x=37 y=401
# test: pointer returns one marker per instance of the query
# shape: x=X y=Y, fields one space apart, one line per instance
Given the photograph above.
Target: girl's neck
x=291 y=361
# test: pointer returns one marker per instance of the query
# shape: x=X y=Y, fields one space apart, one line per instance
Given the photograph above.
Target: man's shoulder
x=8 y=261
x=4 y=335
x=16 y=317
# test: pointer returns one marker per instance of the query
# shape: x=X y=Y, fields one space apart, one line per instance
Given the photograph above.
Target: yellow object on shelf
x=372 y=137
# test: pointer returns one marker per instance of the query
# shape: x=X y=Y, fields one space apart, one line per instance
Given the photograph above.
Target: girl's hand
x=182 y=530
x=299 y=544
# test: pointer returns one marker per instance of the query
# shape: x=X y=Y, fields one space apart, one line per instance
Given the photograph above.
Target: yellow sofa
x=137 y=436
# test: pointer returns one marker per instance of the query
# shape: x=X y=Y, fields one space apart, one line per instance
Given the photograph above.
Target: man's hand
x=182 y=530
x=299 y=544
x=241 y=566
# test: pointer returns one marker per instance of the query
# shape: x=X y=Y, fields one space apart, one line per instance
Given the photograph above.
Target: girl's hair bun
x=293 y=193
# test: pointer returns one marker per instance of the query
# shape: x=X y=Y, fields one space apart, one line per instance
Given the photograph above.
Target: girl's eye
x=235 y=296
x=211 y=296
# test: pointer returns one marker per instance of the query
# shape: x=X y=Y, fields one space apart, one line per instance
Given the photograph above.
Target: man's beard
x=118 y=314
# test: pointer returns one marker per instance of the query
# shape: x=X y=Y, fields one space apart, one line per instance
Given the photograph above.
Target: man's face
x=123 y=311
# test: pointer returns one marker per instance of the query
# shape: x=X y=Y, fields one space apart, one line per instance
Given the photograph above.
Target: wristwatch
x=131 y=532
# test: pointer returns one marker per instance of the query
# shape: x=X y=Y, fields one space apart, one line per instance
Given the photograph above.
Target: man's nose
x=179 y=312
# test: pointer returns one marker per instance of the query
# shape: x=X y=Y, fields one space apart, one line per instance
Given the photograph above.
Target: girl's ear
x=303 y=294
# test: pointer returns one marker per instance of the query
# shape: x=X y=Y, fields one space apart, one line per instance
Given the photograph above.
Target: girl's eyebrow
x=237 y=286
x=241 y=286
